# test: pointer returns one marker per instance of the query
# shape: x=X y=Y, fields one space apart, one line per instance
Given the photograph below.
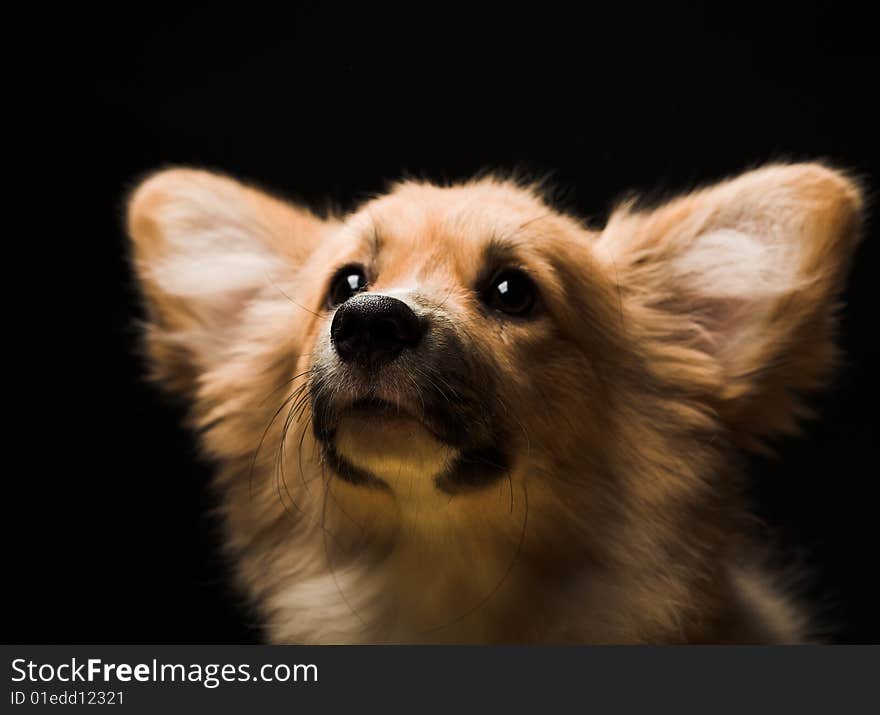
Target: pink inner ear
x=729 y=279
x=731 y=263
x=211 y=275
x=725 y=321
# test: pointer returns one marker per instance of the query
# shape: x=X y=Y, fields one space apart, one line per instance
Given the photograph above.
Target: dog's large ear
x=746 y=274
x=203 y=246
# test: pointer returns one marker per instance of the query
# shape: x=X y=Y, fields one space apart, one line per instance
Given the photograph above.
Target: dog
x=460 y=415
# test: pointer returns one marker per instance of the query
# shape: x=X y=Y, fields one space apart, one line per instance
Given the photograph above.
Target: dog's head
x=453 y=350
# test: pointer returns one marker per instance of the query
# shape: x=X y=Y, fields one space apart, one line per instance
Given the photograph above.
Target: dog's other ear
x=204 y=245
x=746 y=274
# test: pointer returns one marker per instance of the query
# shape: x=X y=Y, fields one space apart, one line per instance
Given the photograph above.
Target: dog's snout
x=372 y=329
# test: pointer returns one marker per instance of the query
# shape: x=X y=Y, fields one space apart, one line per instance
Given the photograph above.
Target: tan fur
x=664 y=342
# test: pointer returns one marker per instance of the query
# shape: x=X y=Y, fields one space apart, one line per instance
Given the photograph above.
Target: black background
x=111 y=538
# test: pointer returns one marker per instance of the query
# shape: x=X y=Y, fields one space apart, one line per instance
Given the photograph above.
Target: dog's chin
x=391 y=450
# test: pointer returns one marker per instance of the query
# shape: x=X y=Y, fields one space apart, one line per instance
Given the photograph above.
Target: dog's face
x=446 y=337
x=474 y=377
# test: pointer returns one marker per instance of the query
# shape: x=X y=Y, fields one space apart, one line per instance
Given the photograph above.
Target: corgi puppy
x=458 y=415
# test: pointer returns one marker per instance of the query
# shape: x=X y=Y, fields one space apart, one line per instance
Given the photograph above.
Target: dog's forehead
x=415 y=212
x=427 y=233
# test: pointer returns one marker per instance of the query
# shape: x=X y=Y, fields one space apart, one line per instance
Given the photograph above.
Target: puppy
x=458 y=415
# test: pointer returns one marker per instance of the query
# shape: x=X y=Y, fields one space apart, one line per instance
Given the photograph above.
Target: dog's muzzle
x=398 y=387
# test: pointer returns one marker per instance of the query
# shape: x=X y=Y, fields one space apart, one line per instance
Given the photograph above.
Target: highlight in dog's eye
x=511 y=291
x=398 y=468
x=347 y=281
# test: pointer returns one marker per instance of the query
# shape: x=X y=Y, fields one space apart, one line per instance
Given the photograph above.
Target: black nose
x=372 y=329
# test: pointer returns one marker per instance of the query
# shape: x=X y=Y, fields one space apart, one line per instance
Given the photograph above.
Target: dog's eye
x=345 y=284
x=511 y=292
